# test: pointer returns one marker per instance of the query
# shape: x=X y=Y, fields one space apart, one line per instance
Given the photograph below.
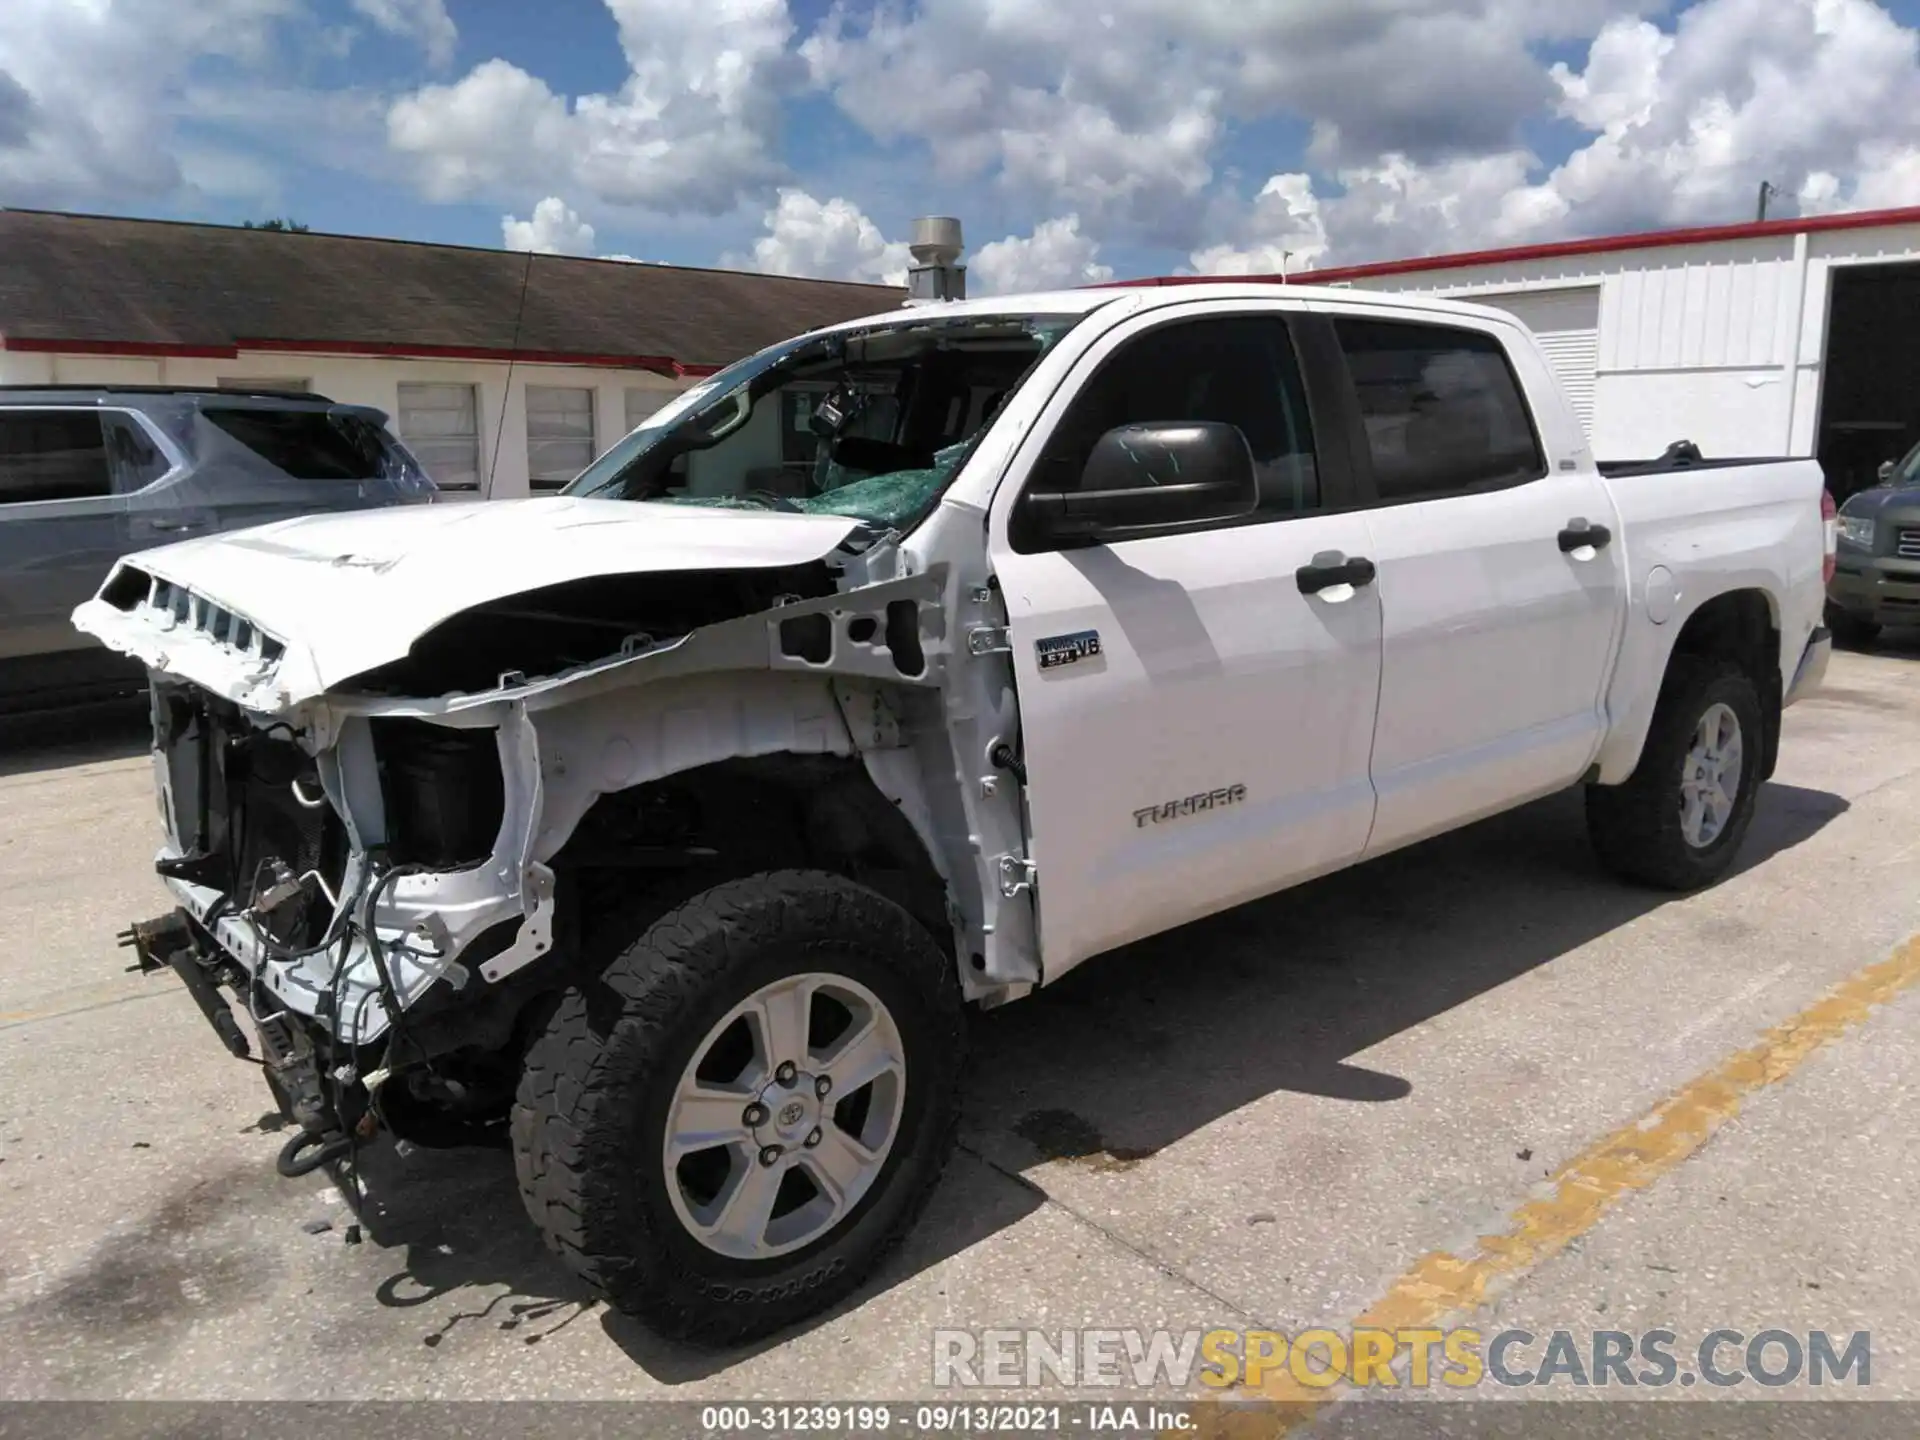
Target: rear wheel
x=727 y=1130
x=1678 y=820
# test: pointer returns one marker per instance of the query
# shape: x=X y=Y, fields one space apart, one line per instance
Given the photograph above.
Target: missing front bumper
x=168 y=942
x=175 y=942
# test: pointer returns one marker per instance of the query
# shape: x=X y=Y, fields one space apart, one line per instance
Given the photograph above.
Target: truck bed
x=1683 y=455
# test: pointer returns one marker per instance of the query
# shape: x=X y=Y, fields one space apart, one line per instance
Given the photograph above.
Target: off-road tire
x=1635 y=826
x=1852 y=630
x=589 y=1118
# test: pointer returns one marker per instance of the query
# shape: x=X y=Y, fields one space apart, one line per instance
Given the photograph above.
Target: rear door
x=1195 y=727
x=60 y=525
x=1500 y=576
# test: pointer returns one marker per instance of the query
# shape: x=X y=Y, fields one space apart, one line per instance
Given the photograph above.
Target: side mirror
x=1885 y=472
x=1143 y=479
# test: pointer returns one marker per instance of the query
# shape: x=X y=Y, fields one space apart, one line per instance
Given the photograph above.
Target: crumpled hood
x=345 y=593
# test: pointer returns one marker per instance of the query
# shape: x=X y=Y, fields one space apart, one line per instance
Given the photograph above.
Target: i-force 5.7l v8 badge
x=1058 y=650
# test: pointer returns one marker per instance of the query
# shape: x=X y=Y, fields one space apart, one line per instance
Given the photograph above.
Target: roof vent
x=936 y=273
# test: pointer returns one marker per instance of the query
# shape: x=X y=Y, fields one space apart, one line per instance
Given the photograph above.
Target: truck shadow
x=1275 y=996
x=1902 y=642
x=76 y=735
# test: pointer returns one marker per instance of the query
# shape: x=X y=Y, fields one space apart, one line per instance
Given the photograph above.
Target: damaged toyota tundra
x=666 y=829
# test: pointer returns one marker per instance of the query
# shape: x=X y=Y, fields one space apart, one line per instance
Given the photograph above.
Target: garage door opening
x=1870 y=399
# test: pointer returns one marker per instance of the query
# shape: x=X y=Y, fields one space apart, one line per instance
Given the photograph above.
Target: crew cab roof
x=1085 y=301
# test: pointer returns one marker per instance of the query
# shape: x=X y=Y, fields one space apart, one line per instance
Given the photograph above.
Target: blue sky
x=1105 y=136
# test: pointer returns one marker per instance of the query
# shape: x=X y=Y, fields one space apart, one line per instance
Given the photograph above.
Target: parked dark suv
x=1876 y=576
x=88 y=474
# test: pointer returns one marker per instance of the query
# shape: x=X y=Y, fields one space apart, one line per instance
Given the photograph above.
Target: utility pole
x=1767 y=188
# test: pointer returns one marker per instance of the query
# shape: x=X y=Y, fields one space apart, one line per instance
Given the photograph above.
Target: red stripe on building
x=1560 y=249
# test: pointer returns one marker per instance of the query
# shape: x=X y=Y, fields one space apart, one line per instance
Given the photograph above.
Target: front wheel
x=727 y=1129
x=1678 y=820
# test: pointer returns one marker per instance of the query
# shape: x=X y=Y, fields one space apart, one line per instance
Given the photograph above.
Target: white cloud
x=1741 y=91
x=825 y=239
x=1820 y=97
x=426 y=22
x=495 y=129
x=1284 y=232
x=91 y=93
x=1102 y=124
x=1055 y=256
x=690 y=130
x=1127 y=120
x=553 y=229
x=1888 y=176
x=1115 y=109
x=836 y=240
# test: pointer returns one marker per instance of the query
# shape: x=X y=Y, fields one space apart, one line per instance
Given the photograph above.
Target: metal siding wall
x=1688 y=307
x=1567 y=325
x=1718 y=343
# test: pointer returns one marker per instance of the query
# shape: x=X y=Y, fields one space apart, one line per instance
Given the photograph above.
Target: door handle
x=1332 y=568
x=173 y=525
x=1579 y=533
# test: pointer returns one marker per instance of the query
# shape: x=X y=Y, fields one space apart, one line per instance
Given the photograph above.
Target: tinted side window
x=306 y=444
x=1240 y=371
x=1442 y=409
x=51 y=455
x=137 y=461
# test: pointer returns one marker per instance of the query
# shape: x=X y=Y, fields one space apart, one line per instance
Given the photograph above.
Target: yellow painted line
x=1440 y=1288
x=13 y=1019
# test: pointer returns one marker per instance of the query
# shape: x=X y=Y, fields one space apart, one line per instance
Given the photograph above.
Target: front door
x=1195 y=727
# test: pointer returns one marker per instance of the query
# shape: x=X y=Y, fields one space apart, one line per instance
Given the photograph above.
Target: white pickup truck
x=668 y=826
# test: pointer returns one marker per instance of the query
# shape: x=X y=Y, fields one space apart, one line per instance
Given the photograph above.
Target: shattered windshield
x=871 y=424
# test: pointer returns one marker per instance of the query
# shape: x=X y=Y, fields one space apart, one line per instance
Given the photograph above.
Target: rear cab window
x=1442 y=410
x=52 y=454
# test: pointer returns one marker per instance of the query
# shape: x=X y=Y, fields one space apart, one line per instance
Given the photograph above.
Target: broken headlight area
x=444 y=790
x=328 y=950
x=248 y=817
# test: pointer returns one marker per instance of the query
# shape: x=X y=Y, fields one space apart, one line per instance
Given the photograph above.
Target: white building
x=1784 y=337
x=505 y=373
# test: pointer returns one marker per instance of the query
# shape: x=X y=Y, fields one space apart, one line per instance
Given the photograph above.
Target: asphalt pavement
x=1400 y=1092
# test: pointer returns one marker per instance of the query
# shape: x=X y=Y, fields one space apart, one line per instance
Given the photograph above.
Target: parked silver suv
x=91 y=473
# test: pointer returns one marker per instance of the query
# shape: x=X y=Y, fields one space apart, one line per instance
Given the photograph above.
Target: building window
x=299 y=384
x=559 y=434
x=52 y=455
x=441 y=426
